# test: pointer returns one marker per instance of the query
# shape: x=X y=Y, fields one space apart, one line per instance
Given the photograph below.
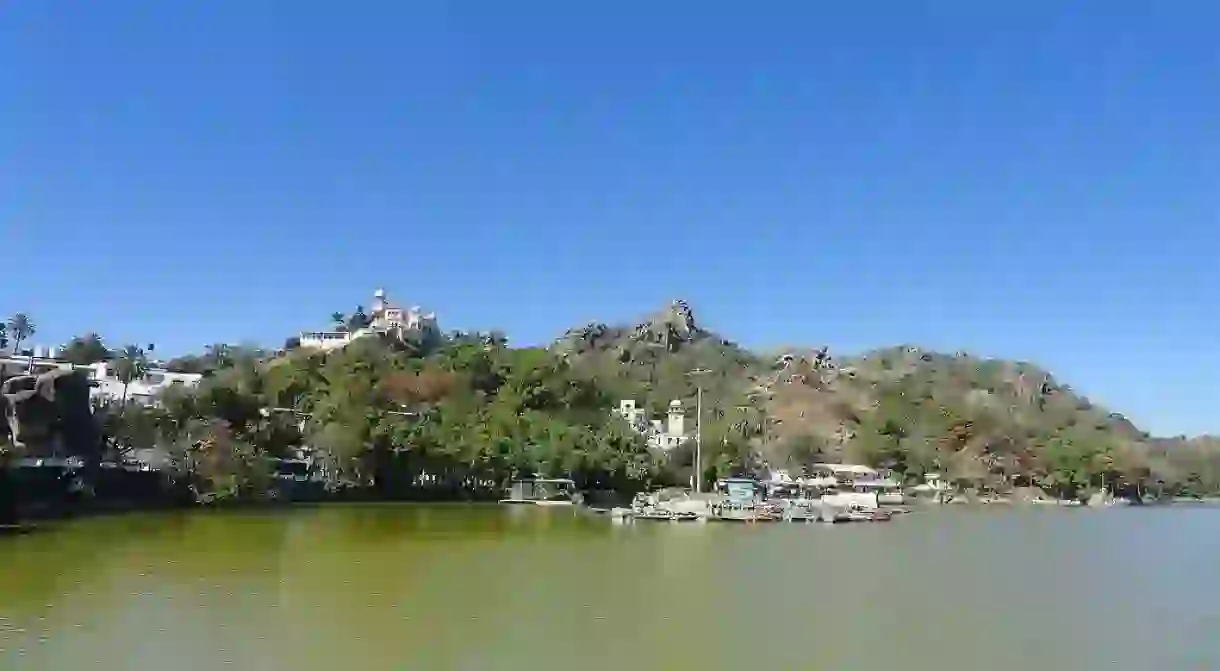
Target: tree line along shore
x=435 y=415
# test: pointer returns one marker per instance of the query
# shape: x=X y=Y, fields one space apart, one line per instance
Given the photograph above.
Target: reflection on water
x=490 y=587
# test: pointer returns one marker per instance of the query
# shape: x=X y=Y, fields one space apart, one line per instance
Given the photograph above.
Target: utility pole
x=699 y=439
x=698 y=427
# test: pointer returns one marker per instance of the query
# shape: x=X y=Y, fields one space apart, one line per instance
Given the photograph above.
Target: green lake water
x=487 y=587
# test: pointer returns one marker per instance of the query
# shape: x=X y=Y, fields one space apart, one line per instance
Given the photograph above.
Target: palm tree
x=20 y=327
x=358 y=320
x=131 y=364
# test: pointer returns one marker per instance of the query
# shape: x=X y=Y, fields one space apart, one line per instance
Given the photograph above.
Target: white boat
x=671 y=504
x=542 y=492
x=861 y=484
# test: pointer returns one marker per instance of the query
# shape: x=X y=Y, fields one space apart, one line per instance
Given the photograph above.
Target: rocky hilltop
x=666 y=330
x=903 y=406
x=653 y=357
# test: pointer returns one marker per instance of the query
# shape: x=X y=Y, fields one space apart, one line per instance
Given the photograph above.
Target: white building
x=635 y=416
x=143 y=390
x=104 y=382
x=385 y=319
x=661 y=435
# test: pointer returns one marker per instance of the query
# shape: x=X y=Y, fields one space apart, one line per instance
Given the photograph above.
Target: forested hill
x=455 y=415
x=991 y=421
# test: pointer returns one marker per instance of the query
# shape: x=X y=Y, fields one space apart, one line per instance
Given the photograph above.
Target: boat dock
x=747 y=501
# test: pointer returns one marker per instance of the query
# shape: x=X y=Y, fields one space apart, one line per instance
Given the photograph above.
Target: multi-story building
x=661 y=435
x=385 y=319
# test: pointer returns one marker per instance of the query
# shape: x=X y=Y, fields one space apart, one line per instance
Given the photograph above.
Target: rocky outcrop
x=49 y=414
x=669 y=328
x=585 y=338
x=814 y=368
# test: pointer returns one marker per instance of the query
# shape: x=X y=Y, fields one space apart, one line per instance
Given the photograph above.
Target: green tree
x=125 y=429
x=188 y=364
x=358 y=319
x=85 y=350
x=227 y=466
x=20 y=327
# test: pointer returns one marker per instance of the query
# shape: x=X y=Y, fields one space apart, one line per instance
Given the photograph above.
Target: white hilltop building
x=661 y=435
x=385 y=319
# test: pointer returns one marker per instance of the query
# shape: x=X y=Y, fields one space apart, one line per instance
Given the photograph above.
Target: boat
x=798 y=501
x=542 y=492
x=743 y=500
x=672 y=504
x=862 y=514
x=888 y=492
x=856 y=483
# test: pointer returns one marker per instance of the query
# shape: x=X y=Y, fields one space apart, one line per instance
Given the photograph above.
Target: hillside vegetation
x=984 y=423
x=457 y=415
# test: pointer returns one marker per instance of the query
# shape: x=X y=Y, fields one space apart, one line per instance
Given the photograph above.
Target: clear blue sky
x=1039 y=181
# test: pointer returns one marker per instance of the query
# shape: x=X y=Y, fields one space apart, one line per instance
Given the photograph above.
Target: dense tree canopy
x=85 y=350
x=461 y=418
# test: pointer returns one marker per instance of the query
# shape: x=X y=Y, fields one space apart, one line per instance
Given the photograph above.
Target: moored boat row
x=748 y=500
x=827 y=497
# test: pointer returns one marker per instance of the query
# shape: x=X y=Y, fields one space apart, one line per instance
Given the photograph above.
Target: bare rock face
x=49 y=414
x=669 y=328
x=666 y=329
x=587 y=336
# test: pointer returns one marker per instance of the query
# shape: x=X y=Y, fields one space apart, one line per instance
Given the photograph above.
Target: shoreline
x=44 y=517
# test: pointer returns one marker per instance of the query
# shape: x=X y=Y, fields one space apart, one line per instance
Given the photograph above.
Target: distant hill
x=990 y=421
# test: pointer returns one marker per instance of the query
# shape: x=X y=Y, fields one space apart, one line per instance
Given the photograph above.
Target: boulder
x=50 y=414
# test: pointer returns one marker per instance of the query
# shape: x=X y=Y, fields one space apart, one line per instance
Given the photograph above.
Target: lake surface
x=482 y=588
